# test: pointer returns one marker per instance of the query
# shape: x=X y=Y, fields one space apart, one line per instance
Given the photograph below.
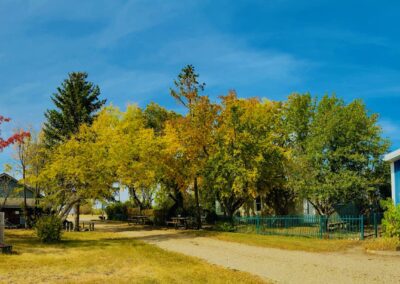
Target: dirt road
x=281 y=266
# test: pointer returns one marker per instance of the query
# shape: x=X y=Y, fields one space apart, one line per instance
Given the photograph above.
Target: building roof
x=393 y=156
x=15 y=180
x=7 y=175
x=17 y=202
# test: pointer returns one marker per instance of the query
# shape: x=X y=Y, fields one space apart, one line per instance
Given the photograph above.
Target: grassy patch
x=383 y=244
x=281 y=242
x=98 y=257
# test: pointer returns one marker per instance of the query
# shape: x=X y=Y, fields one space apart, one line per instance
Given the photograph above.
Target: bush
x=133 y=212
x=117 y=211
x=391 y=219
x=211 y=217
x=87 y=208
x=49 y=229
x=160 y=217
x=225 y=227
x=97 y=211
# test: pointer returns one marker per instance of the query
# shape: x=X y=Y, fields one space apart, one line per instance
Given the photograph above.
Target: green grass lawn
x=281 y=242
x=383 y=244
x=99 y=257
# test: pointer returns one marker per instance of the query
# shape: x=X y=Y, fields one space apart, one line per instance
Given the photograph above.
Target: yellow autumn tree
x=194 y=130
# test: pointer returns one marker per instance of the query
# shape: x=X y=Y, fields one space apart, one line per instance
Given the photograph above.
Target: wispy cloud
x=391 y=129
x=138 y=16
x=230 y=61
x=134 y=85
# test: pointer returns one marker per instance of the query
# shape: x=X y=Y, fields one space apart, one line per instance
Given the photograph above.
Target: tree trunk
x=77 y=209
x=25 y=204
x=230 y=215
x=231 y=206
x=36 y=209
x=137 y=200
x=196 y=194
x=178 y=202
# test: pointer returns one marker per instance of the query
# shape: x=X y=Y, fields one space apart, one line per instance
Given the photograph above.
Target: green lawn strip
x=94 y=257
x=382 y=244
x=281 y=242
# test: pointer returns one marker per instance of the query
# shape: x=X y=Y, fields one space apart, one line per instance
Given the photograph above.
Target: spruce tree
x=76 y=102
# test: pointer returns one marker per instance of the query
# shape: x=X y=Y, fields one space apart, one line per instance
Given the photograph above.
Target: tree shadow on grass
x=25 y=241
x=29 y=243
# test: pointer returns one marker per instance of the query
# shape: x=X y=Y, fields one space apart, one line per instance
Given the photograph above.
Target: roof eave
x=392 y=157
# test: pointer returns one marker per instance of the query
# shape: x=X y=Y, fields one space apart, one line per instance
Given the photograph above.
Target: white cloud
x=231 y=61
x=390 y=129
x=137 y=16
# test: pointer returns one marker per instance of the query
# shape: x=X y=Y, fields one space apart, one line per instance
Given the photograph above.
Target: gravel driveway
x=281 y=266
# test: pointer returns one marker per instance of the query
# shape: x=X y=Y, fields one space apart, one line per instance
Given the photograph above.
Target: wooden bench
x=173 y=222
x=336 y=225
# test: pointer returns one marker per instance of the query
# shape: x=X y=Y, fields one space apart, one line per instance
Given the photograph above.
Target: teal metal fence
x=334 y=227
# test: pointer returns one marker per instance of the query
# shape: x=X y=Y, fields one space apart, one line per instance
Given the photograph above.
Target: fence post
x=375 y=225
x=258 y=224
x=361 y=227
x=321 y=224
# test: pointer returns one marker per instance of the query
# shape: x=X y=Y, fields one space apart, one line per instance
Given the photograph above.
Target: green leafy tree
x=82 y=168
x=136 y=152
x=337 y=153
x=156 y=117
x=244 y=162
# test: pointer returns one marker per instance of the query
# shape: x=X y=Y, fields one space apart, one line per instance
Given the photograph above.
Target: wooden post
x=2 y=226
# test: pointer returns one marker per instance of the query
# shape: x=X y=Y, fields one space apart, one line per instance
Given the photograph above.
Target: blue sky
x=134 y=49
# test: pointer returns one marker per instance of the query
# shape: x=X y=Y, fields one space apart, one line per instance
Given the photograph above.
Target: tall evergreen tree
x=77 y=101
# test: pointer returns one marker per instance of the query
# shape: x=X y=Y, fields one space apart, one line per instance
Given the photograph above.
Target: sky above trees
x=133 y=50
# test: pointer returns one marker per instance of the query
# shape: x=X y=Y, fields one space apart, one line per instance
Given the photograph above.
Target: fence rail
x=334 y=227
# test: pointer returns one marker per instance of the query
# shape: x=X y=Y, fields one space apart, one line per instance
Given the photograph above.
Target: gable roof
x=5 y=175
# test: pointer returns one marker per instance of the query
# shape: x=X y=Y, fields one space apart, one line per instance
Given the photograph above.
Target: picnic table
x=89 y=226
x=184 y=222
x=180 y=222
x=140 y=219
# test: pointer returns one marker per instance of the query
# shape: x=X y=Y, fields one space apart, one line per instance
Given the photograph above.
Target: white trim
x=393 y=180
x=393 y=156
